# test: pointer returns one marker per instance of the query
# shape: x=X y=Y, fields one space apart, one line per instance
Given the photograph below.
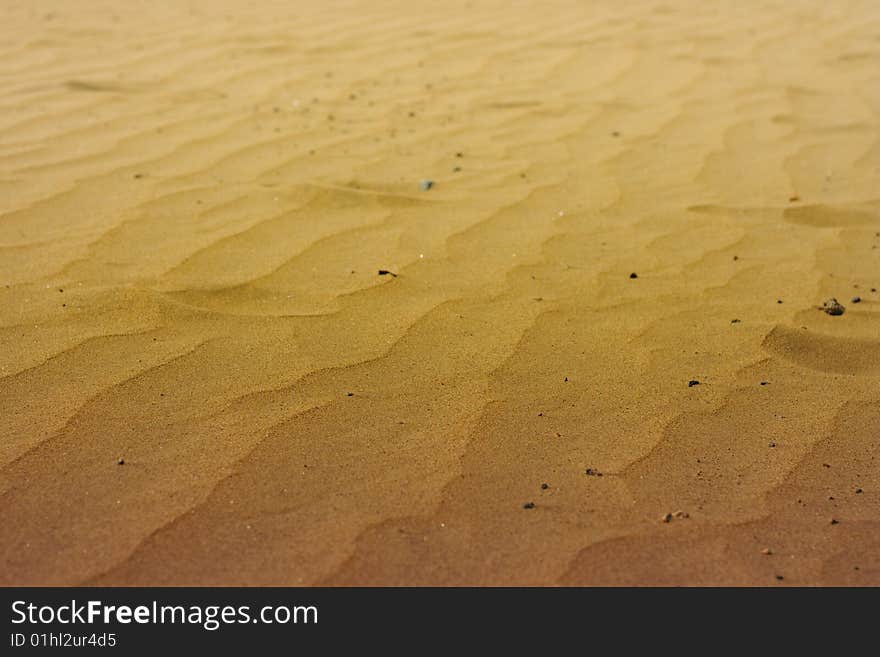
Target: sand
x=206 y=381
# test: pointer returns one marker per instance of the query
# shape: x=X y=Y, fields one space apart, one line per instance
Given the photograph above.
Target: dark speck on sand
x=529 y=505
x=692 y=383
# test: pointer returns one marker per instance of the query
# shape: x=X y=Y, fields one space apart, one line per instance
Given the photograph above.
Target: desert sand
x=205 y=380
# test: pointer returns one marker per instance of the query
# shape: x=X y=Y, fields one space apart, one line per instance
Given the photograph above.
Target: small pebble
x=767 y=551
x=692 y=383
x=634 y=275
x=120 y=462
x=856 y=299
x=425 y=185
x=529 y=505
x=545 y=486
x=835 y=522
x=590 y=472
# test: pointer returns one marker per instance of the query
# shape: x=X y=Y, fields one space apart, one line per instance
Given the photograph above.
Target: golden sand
x=195 y=202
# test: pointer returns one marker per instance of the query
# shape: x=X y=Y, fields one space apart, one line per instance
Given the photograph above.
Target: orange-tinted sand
x=196 y=198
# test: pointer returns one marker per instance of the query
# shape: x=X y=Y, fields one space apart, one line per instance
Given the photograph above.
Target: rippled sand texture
x=194 y=205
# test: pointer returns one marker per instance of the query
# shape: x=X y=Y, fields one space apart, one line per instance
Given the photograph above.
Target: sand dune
x=205 y=380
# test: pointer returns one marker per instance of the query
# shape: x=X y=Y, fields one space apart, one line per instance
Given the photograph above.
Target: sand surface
x=196 y=199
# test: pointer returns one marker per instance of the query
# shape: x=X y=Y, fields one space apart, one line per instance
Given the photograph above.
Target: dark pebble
x=545 y=486
x=592 y=473
x=385 y=272
x=692 y=383
x=835 y=522
x=856 y=299
x=425 y=185
x=120 y=462
x=634 y=275
x=529 y=505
